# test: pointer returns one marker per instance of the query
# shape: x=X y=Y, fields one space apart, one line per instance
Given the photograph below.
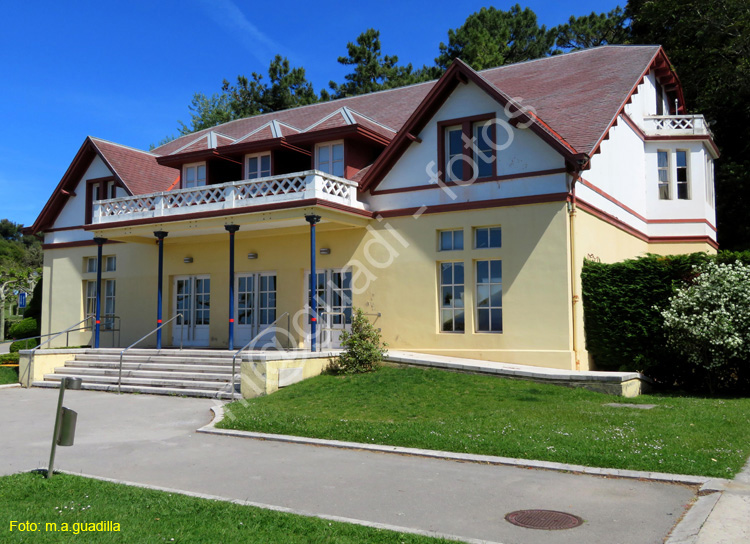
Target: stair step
x=176 y=367
x=157 y=374
x=155 y=359
x=146 y=382
x=202 y=393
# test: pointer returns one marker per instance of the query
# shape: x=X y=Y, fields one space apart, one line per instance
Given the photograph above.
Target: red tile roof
x=138 y=170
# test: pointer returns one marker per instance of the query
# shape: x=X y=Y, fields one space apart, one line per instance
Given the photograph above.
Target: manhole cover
x=543 y=519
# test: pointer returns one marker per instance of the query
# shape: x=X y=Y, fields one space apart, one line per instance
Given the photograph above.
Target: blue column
x=313 y=220
x=231 y=229
x=160 y=235
x=97 y=321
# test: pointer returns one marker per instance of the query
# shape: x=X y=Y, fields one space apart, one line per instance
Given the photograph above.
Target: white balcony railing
x=676 y=125
x=250 y=192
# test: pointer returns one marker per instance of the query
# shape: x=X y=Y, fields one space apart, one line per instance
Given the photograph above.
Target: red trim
x=617 y=223
x=231 y=320
x=231 y=211
x=461 y=206
x=639 y=216
x=81 y=243
x=538 y=173
x=158 y=321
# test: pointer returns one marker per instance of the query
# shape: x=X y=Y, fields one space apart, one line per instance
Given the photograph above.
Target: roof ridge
x=94 y=138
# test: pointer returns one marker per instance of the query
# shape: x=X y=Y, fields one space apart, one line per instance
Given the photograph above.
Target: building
x=457 y=213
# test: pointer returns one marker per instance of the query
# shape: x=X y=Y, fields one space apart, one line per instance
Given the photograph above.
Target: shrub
x=9 y=358
x=707 y=321
x=25 y=328
x=363 y=347
x=9 y=322
x=30 y=343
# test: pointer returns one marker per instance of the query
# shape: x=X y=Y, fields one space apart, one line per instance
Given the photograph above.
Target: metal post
x=231 y=229
x=313 y=220
x=72 y=383
x=97 y=321
x=160 y=235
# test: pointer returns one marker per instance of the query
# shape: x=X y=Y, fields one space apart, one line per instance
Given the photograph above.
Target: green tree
x=206 y=112
x=372 y=70
x=492 y=37
x=363 y=348
x=708 y=41
x=593 y=30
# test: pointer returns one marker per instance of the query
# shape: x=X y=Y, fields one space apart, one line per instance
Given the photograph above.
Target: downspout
x=583 y=162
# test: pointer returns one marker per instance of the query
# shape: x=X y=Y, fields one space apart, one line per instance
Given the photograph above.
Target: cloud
x=226 y=14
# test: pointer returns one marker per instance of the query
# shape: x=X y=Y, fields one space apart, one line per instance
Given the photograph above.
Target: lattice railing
x=676 y=124
x=300 y=185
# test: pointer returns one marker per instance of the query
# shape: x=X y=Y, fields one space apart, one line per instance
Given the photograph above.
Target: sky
x=126 y=71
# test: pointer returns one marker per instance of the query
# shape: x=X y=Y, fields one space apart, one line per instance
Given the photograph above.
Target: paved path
x=152 y=440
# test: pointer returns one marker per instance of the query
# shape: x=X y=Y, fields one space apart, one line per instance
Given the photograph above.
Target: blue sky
x=126 y=71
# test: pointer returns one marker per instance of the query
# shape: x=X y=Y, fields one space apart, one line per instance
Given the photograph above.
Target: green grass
x=8 y=375
x=154 y=516
x=447 y=411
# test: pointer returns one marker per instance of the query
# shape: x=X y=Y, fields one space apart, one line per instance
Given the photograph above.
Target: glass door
x=192 y=299
x=255 y=307
x=333 y=291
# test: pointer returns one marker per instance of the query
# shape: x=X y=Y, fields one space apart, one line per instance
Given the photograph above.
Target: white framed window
x=487 y=237
x=194 y=175
x=110 y=263
x=451 y=297
x=257 y=166
x=451 y=240
x=682 y=174
x=107 y=308
x=489 y=285
x=89 y=265
x=329 y=158
x=484 y=153
x=662 y=169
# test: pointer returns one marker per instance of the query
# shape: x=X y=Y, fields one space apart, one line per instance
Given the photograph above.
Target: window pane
x=201 y=173
x=681 y=174
x=447 y=320
x=495 y=239
x=483 y=320
x=458 y=239
x=663 y=175
x=454 y=142
x=682 y=191
x=252 y=167
x=496 y=273
x=483 y=296
x=458 y=321
x=681 y=158
x=446 y=277
x=482 y=238
x=496 y=318
x=446 y=240
x=458 y=273
x=447 y=296
x=190 y=174
x=496 y=296
x=338 y=152
x=265 y=165
x=458 y=296
x=483 y=272
x=456 y=166
x=323 y=154
x=663 y=159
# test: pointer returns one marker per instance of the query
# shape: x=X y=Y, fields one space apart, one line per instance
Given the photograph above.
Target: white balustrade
x=677 y=125
x=246 y=193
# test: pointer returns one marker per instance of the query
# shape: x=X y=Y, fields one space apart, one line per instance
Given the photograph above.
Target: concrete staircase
x=187 y=373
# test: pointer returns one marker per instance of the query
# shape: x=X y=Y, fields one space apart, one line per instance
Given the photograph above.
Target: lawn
x=145 y=515
x=447 y=411
x=8 y=374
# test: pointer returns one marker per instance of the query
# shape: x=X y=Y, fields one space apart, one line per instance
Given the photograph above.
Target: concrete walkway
x=151 y=440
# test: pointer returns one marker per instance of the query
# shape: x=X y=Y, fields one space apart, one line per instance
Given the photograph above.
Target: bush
x=707 y=321
x=363 y=348
x=25 y=328
x=30 y=343
x=34 y=308
x=9 y=358
x=9 y=322
x=622 y=314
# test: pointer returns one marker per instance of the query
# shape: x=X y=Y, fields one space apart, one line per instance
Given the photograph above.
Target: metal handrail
x=34 y=350
x=243 y=348
x=182 y=326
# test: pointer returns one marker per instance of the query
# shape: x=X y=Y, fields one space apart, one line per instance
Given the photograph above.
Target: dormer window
x=194 y=175
x=98 y=189
x=467 y=150
x=257 y=166
x=329 y=158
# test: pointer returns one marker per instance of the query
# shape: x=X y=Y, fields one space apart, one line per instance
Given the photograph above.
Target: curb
x=283 y=509
x=661 y=477
x=10 y=385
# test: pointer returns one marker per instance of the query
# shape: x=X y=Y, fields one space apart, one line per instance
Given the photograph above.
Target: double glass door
x=254 y=308
x=192 y=299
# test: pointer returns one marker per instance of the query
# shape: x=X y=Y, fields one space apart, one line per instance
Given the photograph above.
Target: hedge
x=621 y=303
x=26 y=328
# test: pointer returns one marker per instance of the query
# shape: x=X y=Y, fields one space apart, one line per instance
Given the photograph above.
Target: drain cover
x=543 y=519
